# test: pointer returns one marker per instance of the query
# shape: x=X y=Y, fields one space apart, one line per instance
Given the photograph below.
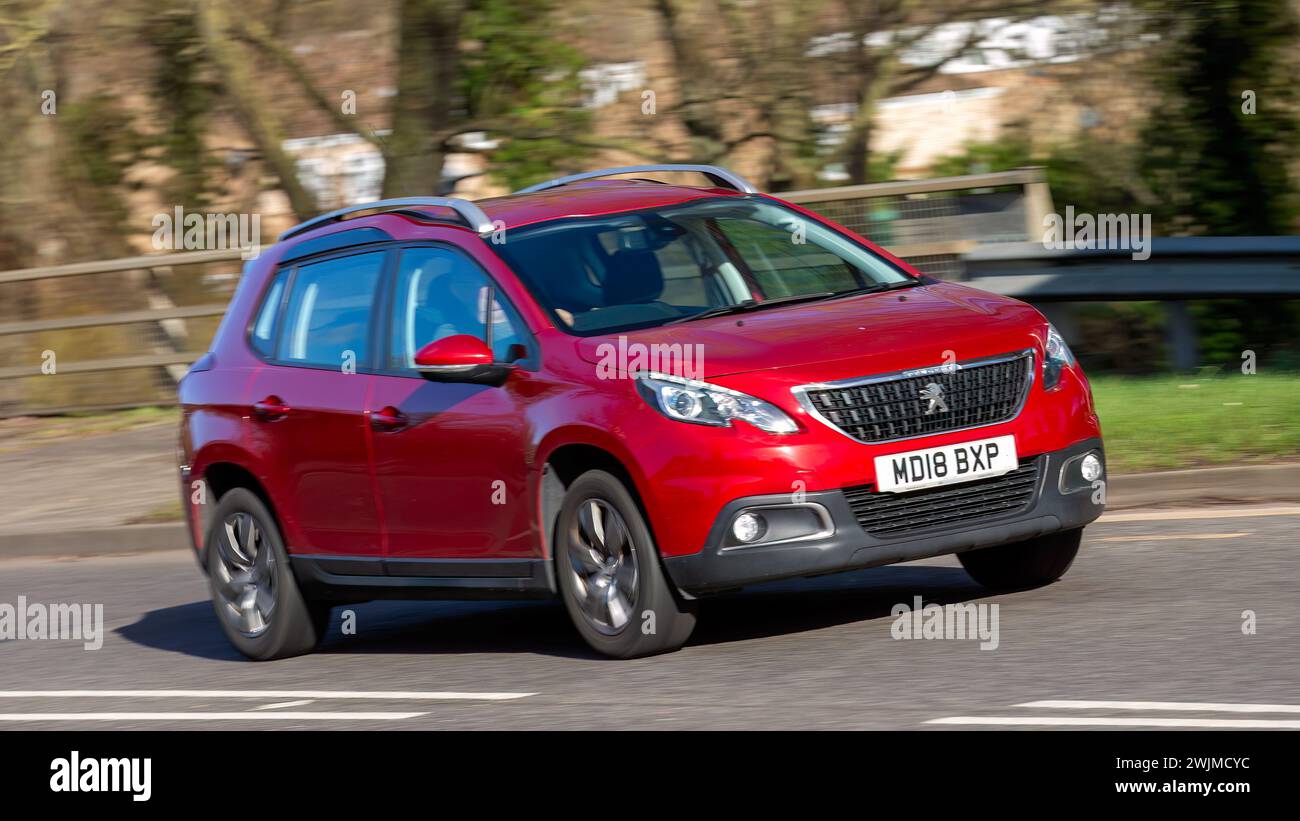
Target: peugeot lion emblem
x=934 y=393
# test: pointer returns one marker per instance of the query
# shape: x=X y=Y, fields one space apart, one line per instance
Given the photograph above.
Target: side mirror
x=460 y=358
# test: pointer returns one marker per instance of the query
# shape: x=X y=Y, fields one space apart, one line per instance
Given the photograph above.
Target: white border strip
x=275 y=694
x=1186 y=706
x=299 y=716
x=1079 y=721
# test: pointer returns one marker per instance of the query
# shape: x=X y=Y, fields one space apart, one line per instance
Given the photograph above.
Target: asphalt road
x=1151 y=612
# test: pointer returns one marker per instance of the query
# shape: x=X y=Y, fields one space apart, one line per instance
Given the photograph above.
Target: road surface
x=1146 y=630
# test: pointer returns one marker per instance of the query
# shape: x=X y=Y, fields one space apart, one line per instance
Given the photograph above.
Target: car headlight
x=1058 y=358
x=688 y=400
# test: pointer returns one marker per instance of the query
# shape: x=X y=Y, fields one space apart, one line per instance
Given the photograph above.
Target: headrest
x=634 y=276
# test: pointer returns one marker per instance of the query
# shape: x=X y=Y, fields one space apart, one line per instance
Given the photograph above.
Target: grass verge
x=1170 y=422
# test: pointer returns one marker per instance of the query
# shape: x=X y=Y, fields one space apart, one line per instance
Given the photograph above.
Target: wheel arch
x=565 y=463
x=221 y=475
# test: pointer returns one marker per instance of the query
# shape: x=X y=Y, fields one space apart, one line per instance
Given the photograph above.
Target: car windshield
x=600 y=275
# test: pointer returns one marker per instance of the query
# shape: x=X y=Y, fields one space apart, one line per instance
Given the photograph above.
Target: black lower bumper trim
x=851 y=547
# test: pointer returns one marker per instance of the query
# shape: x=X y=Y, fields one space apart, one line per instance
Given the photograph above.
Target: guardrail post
x=1180 y=331
x=1038 y=205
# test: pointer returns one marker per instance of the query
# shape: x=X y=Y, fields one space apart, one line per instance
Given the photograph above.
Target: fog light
x=749 y=527
x=1090 y=468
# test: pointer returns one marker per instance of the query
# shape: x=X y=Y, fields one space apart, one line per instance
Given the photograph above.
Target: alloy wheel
x=244 y=576
x=603 y=562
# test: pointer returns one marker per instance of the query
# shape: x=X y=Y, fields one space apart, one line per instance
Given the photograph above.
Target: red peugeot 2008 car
x=623 y=393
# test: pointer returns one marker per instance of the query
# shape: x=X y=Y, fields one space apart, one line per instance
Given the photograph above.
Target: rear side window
x=263 y=336
x=328 y=316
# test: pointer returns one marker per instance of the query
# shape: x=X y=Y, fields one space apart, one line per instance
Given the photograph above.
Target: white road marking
x=282 y=704
x=1143 y=721
x=1080 y=721
x=264 y=694
x=1200 y=513
x=1172 y=537
x=292 y=716
x=1185 y=706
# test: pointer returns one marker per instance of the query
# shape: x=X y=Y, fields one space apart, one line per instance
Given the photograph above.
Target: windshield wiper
x=881 y=287
x=747 y=305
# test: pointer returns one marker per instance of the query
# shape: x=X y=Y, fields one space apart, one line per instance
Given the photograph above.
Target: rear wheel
x=1023 y=565
x=256 y=598
x=611 y=580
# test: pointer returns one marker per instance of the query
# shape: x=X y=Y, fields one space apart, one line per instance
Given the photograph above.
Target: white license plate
x=946 y=465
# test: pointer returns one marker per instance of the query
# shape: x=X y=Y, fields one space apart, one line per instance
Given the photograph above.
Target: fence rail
x=179 y=258
x=143 y=350
x=976 y=229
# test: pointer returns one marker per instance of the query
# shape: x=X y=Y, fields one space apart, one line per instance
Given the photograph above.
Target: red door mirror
x=460 y=358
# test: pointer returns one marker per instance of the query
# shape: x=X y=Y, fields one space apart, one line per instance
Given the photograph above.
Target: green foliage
x=1092 y=175
x=1217 y=169
x=883 y=166
x=184 y=98
x=513 y=69
x=102 y=145
x=1120 y=337
x=1267 y=327
x=1012 y=151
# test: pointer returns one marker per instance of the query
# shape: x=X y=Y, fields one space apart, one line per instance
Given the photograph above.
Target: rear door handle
x=389 y=418
x=270 y=409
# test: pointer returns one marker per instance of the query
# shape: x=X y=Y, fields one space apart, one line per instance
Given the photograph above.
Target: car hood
x=872 y=333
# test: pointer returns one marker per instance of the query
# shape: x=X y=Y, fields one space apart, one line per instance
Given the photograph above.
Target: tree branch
x=255 y=33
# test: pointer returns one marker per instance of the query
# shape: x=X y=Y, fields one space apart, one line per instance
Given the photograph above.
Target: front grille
x=885 y=515
x=886 y=409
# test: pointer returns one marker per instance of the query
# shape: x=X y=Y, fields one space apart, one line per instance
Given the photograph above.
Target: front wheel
x=609 y=572
x=256 y=598
x=1023 y=565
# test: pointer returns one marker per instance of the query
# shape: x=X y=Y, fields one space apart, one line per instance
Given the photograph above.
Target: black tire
x=293 y=626
x=657 y=619
x=1023 y=565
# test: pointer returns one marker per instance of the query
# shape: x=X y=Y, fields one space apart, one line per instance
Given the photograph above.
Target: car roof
x=591 y=198
x=577 y=195
x=587 y=194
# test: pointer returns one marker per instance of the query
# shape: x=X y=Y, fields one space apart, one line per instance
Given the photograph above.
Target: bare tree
x=875 y=66
x=739 y=79
x=764 y=82
x=255 y=111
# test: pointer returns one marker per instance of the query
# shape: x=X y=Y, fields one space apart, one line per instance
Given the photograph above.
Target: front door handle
x=389 y=418
x=270 y=409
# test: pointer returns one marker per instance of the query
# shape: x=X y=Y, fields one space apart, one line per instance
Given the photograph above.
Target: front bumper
x=1049 y=508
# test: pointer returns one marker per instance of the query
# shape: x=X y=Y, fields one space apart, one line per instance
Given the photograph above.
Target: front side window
x=440 y=293
x=327 y=321
x=600 y=275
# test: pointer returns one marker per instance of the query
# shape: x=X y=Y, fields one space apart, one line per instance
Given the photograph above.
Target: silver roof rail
x=719 y=176
x=468 y=211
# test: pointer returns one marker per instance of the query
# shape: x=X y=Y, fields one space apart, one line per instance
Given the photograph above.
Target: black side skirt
x=347 y=578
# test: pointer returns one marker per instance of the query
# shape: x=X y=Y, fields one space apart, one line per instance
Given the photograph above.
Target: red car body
x=387 y=484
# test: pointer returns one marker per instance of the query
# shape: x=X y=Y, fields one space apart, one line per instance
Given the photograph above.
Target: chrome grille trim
x=801 y=393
